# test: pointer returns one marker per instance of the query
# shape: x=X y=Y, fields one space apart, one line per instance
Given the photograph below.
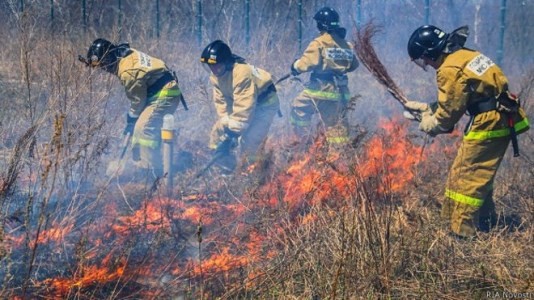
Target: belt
x=479 y=107
x=327 y=76
x=322 y=76
x=485 y=105
x=263 y=96
x=159 y=84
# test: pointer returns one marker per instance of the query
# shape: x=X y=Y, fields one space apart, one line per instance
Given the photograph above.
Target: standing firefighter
x=246 y=102
x=328 y=57
x=152 y=90
x=468 y=82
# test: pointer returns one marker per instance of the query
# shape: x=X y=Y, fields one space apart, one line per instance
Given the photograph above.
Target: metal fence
x=201 y=19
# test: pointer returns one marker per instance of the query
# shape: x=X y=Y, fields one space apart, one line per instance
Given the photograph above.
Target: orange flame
x=221 y=262
x=388 y=157
x=87 y=276
x=392 y=156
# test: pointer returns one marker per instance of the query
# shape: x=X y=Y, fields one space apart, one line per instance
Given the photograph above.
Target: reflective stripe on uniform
x=269 y=100
x=325 y=95
x=299 y=123
x=145 y=142
x=338 y=140
x=477 y=202
x=165 y=93
x=490 y=134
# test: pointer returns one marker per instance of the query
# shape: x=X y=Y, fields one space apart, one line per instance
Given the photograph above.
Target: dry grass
x=297 y=227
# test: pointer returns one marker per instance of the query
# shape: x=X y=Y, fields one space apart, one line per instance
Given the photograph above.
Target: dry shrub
x=374 y=243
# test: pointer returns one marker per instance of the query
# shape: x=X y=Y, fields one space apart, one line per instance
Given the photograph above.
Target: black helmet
x=428 y=41
x=327 y=19
x=217 y=52
x=102 y=54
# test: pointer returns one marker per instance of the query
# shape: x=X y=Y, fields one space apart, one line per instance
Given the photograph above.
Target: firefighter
x=153 y=91
x=246 y=102
x=468 y=83
x=329 y=58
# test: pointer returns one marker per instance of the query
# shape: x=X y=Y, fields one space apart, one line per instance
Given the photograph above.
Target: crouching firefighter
x=468 y=82
x=246 y=102
x=153 y=91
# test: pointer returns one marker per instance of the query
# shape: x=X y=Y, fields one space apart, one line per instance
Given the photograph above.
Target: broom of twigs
x=366 y=53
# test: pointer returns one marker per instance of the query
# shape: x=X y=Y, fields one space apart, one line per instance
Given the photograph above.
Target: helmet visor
x=218 y=69
x=206 y=68
x=420 y=62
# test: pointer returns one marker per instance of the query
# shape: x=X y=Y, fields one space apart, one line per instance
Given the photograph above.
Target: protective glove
x=230 y=133
x=130 y=124
x=429 y=124
x=416 y=106
x=412 y=107
x=294 y=72
x=228 y=142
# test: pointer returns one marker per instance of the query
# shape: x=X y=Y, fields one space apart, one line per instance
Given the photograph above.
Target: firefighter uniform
x=328 y=57
x=153 y=92
x=246 y=102
x=470 y=82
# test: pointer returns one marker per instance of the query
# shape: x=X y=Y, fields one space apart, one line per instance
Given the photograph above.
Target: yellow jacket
x=236 y=94
x=466 y=77
x=328 y=53
x=137 y=72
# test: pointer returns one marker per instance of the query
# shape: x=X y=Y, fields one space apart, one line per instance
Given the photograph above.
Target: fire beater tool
x=208 y=165
x=125 y=143
x=367 y=55
x=115 y=166
x=283 y=78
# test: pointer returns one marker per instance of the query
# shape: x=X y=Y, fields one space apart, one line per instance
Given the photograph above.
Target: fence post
x=300 y=24
x=157 y=19
x=358 y=14
x=120 y=21
x=247 y=22
x=167 y=137
x=51 y=10
x=427 y=11
x=501 y=35
x=199 y=22
x=84 y=17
